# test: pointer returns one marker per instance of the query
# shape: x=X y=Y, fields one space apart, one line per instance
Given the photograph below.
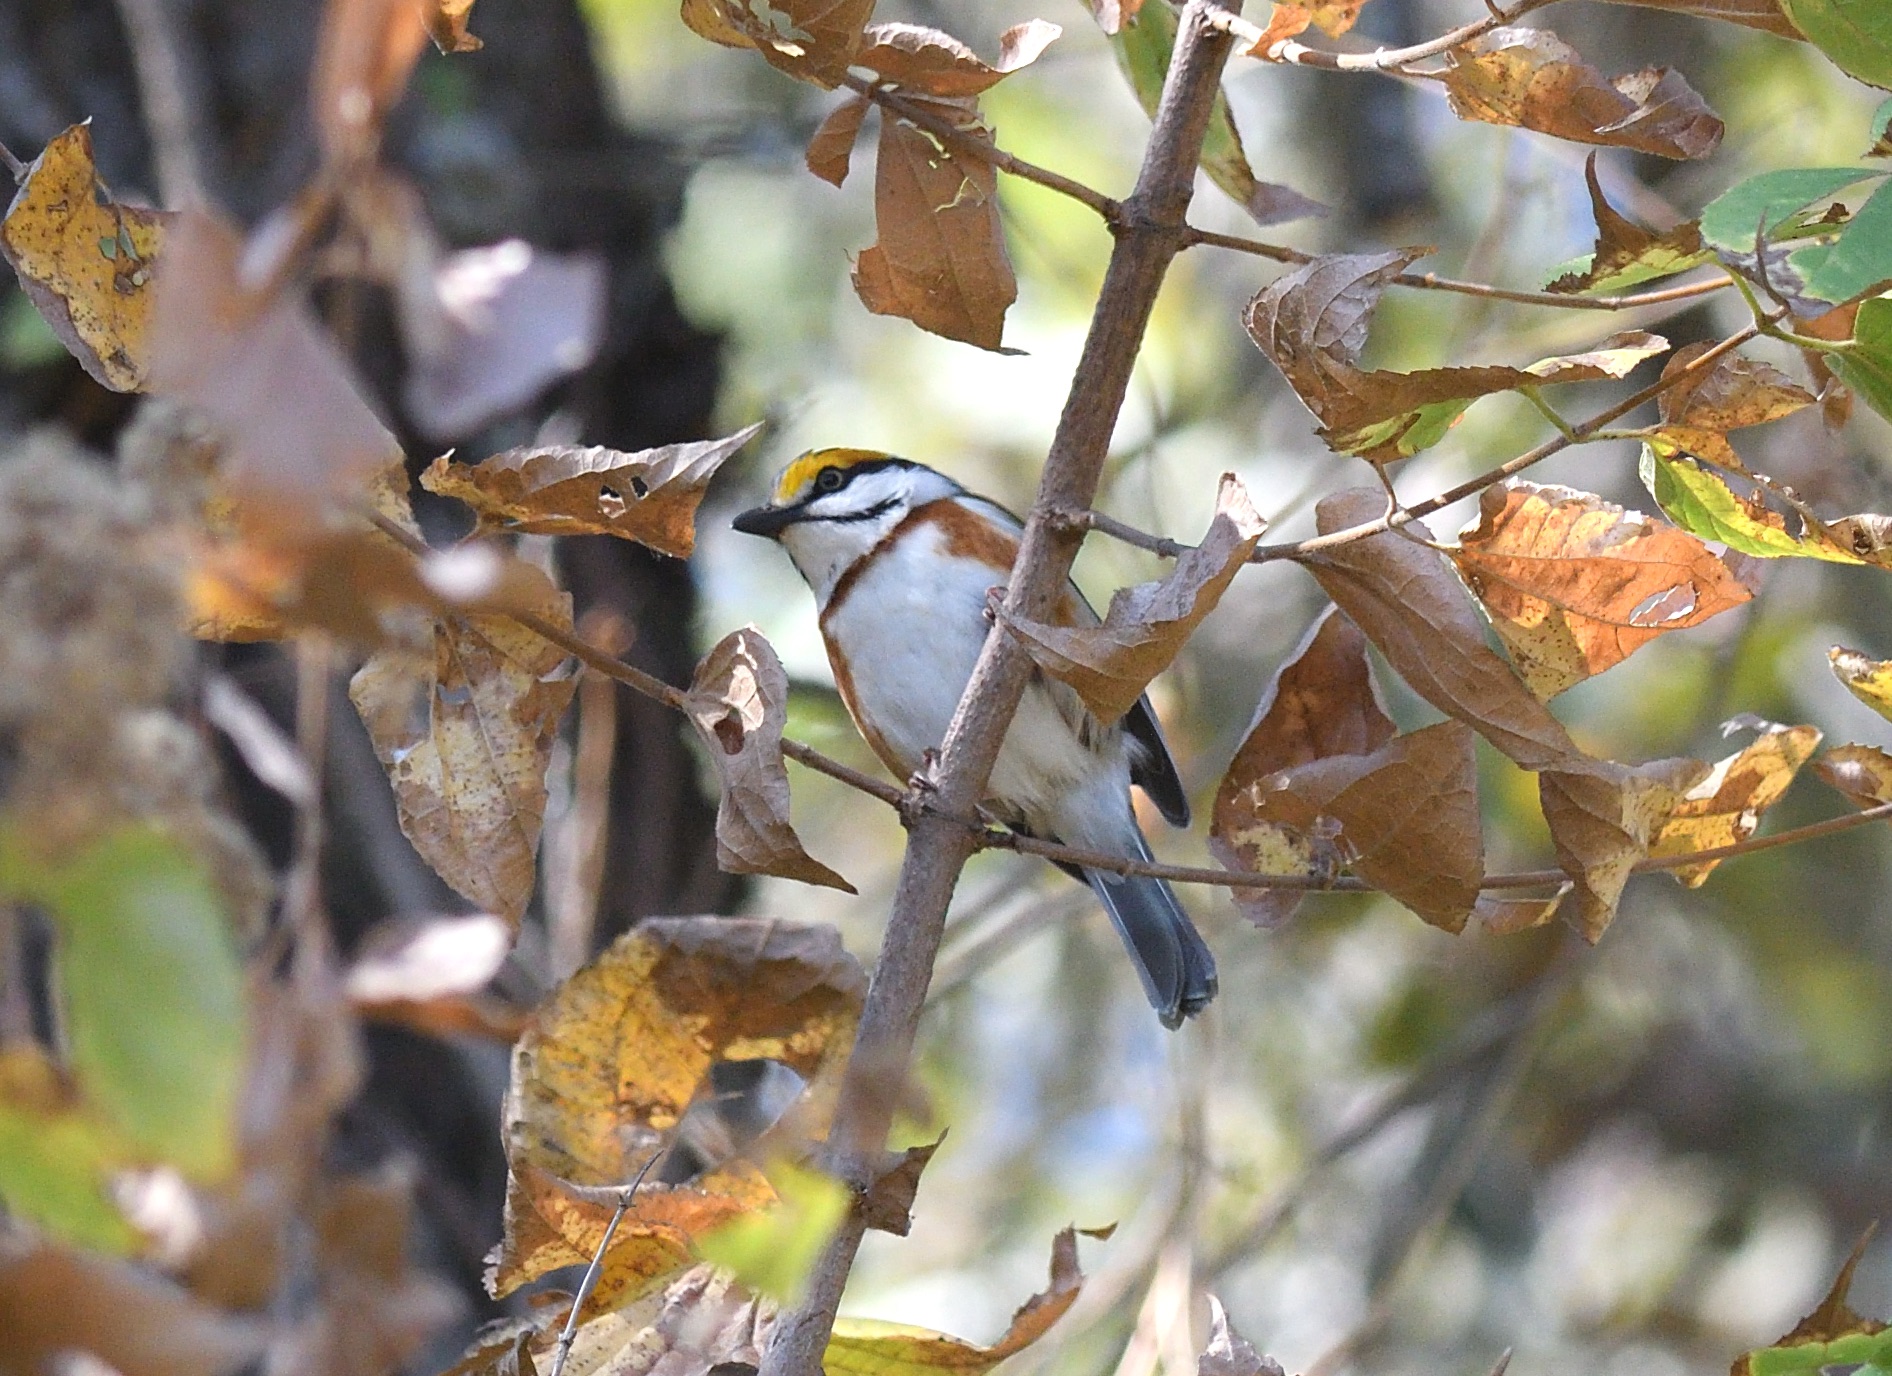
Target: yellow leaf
x=85 y=261
x=1869 y=680
x=614 y=1061
x=1726 y=806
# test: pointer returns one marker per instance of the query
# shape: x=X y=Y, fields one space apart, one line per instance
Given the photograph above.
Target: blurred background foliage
x=1638 y=1159
x=1383 y=1147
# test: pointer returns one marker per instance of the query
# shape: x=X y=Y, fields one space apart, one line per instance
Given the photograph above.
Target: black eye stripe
x=877 y=510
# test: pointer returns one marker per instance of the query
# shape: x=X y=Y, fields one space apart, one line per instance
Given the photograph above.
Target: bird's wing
x=1152 y=769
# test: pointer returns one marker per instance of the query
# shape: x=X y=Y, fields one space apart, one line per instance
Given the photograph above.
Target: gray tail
x=1173 y=961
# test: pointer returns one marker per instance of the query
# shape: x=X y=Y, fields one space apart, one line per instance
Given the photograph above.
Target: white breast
x=907 y=633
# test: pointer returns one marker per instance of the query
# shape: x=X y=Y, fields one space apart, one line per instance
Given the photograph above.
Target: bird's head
x=831 y=506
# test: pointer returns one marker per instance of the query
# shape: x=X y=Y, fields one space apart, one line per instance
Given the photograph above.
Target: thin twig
x=1388 y=61
x=593 y=1271
x=981 y=147
x=15 y=168
x=172 y=114
x=302 y=886
x=1432 y=281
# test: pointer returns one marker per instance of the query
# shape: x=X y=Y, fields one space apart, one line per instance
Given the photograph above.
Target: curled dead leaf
x=1626 y=252
x=1321 y=703
x=1735 y=391
x=831 y=147
x=1862 y=772
x=1230 y=1354
x=464 y=724
x=650 y=496
x=1604 y=820
x=940 y=258
x=1533 y=79
x=85 y=261
x=1403 y=594
x=1111 y=663
x=738 y=702
x=911 y=57
x=1574 y=584
x=811 y=40
x=1726 y=806
x=1869 y=680
x=888 y=1203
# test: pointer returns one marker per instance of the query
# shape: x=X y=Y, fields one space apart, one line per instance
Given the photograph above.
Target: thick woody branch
x=1150 y=231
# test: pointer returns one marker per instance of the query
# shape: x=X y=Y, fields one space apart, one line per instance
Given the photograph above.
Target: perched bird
x=901 y=558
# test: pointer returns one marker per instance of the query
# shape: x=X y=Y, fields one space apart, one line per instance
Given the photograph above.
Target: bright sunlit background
x=1652 y=1166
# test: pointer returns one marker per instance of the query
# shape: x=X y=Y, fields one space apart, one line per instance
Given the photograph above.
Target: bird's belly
x=903 y=642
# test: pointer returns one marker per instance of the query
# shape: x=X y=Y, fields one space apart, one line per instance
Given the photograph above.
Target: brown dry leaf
x=446 y=25
x=56 y=1300
x=911 y=57
x=888 y=1203
x=1497 y=916
x=1288 y=20
x=1604 y=820
x=1411 y=605
x=1533 y=79
x=831 y=149
x=812 y=40
x=702 y=1321
x=1734 y=392
x=85 y=261
x=1312 y=323
x=464 y=726
x=362 y=61
x=1726 y=806
x=427 y=974
x=295 y=429
x=1404 y=818
x=1323 y=702
x=1147 y=625
x=616 y=1058
x=650 y=496
x=940 y=260
x=1574 y=584
x=1862 y=772
x=1765 y=15
x=1627 y=253
x=738 y=702
x=868 y=1347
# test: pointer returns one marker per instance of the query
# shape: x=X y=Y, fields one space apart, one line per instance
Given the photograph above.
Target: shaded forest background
x=1640 y=1159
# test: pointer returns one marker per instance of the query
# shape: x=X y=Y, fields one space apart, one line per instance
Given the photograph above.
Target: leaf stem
x=596 y=1268
x=1387 y=61
x=13 y=165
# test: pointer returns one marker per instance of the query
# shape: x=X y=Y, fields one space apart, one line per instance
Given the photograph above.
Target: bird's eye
x=829 y=480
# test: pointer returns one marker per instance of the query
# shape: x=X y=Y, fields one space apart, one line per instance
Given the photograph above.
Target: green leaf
x=1861 y=258
x=1881 y=134
x=1855 y=34
x=1698 y=501
x=773 y=1251
x=1143 y=44
x=56 y=1160
x=153 y=989
x=1851 y=1350
x=1770 y=202
x=1866 y=366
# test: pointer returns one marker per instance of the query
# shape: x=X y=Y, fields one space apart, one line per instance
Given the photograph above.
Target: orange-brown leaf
x=1624 y=247
x=831 y=149
x=812 y=40
x=927 y=61
x=650 y=496
x=940 y=260
x=1321 y=703
x=86 y=262
x=1726 y=806
x=1574 y=584
x=1404 y=818
x=1533 y=79
x=1603 y=820
x=446 y=25
x=1147 y=625
x=1765 y=15
x=366 y=50
x=738 y=702
x=1411 y=605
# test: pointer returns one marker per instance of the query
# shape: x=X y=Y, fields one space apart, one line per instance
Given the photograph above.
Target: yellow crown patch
x=800 y=475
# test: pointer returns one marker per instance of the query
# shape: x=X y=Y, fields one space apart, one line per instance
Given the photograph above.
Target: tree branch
x=1150 y=232
x=1385 y=60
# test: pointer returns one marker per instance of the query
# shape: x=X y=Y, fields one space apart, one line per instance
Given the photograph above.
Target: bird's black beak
x=767 y=521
